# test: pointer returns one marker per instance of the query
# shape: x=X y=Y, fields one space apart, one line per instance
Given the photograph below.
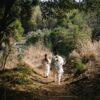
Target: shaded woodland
x=31 y=28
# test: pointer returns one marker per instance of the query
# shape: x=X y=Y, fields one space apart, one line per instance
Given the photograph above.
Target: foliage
x=49 y=23
x=30 y=15
x=76 y=22
x=40 y=35
x=60 y=40
x=35 y=37
x=73 y=28
x=10 y=11
x=93 y=19
x=18 y=30
x=65 y=36
x=10 y=20
x=77 y=63
x=46 y=40
x=66 y=22
x=18 y=75
x=35 y=18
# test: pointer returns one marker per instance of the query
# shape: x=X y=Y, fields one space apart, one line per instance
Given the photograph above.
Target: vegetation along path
x=29 y=84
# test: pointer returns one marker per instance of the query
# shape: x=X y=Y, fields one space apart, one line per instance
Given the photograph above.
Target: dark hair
x=45 y=55
x=46 y=59
x=55 y=53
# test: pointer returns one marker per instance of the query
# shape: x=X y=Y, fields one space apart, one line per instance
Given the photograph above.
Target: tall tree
x=9 y=12
x=30 y=13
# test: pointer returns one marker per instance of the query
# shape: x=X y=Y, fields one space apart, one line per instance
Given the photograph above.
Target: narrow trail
x=51 y=88
x=71 y=87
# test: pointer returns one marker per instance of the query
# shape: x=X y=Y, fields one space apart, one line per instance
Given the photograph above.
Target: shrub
x=77 y=63
x=35 y=37
x=72 y=29
x=66 y=36
x=88 y=49
x=46 y=39
x=17 y=29
x=40 y=35
x=62 y=41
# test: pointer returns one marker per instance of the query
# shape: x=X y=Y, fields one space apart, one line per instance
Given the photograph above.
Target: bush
x=46 y=39
x=66 y=36
x=89 y=50
x=40 y=35
x=17 y=29
x=77 y=63
x=35 y=37
x=62 y=41
x=72 y=29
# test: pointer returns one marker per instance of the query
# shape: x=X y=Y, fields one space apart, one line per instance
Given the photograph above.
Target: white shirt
x=58 y=62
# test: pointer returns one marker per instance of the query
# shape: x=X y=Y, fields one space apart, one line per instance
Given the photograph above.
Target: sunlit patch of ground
x=24 y=83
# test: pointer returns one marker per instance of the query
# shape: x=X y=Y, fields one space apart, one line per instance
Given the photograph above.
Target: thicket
x=58 y=24
x=65 y=37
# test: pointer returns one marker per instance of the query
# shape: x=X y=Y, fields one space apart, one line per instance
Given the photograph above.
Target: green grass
x=19 y=75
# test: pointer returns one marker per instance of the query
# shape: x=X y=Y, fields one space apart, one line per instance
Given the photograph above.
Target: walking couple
x=56 y=64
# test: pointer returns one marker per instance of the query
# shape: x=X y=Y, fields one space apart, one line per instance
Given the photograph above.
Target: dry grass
x=12 y=59
x=34 y=54
x=75 y=54
x=88 y=49
x=31 y=57
x=90 y=54
x=97 y=50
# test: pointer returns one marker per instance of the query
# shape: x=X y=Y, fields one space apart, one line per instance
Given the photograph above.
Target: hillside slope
x=24 y=83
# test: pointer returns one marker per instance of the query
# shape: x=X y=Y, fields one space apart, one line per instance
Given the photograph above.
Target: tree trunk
x=6 y=53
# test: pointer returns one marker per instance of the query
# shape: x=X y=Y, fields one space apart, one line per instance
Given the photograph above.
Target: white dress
x=46 y=67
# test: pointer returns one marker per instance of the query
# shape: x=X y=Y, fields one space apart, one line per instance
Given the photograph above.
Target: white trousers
x=47 y=70
x=58 y=75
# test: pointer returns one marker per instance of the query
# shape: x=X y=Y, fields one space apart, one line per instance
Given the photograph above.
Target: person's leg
x=59 y=78
x=45 y=73
x=62 y=75
x=48 y=71
x=56 y=77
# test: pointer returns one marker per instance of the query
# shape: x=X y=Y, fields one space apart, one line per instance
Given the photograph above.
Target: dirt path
x=71 y=88
x=40 y=88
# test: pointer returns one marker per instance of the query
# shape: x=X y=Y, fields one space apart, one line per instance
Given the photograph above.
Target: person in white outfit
x=57 y=66
x=46 y=65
